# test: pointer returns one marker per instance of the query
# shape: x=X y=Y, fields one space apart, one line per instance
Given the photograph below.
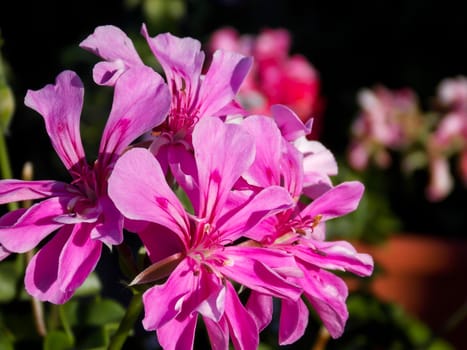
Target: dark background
x=354 y=44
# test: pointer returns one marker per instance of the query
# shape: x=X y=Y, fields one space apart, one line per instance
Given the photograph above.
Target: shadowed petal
x=289 y=123
x=78 y=258
x=32 y=226
x=60 y=105
x=141 y=102
x=139 y=190
x=41 y=279
x=293 y=321
x=7 y=220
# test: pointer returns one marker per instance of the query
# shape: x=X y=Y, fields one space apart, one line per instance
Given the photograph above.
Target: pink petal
x=255 y=268
x=109 y=227
x=41 y=279
x=7 y=220
x=222 y=81
x=338 y=255
x=291 y=165
x=178 y=334
x=170 y=295
x=336 y=202
x=4 y=253
x=293 y=321
x=60 y=105
x=218 y=333
x=242 y=326
x=32 y=226
x=264 y=170
x=260 y=307
x=139 y=190
x=218 y=171
x=181 y=59
x=327 y=294
x=113 y=45
x=160 y=242
x=240 y=221
x=78 y=258
x=290 y=125
x=19 y=190
x=141 y=102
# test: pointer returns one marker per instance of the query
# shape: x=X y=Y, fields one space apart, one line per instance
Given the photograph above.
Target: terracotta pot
x=426 y=275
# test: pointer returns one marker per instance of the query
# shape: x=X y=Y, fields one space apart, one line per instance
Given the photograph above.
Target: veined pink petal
x=141 y=102
x=178 y=334
x=255 y=268
x=41 y=279
x=242 y=326
x=222 y=81
x=327 y=294
x=338 y=201
x=339 y=255
x=139 y=190
x=218 y=333
x=291 y=165
x=240 y=221
x=19 y=190
x=293 y=321
x=222 y=152
x=60 y=105
x=109 y=227
x=264 y=170
x=78 y=258
x=113 y=45
x=260 y=307
x=32 y=226
x=181 y=59
x=162 y=303
x=289 y=123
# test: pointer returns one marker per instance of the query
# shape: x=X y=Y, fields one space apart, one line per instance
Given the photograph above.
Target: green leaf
x=103 y=311
x=7 y=107
x=57 y=340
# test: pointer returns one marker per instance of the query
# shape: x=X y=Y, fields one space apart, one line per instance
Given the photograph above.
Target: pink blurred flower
x=276 y=77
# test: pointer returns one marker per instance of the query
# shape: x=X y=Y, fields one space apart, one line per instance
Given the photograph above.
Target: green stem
x=5 y=167
x=66 y=324
x=126 y=325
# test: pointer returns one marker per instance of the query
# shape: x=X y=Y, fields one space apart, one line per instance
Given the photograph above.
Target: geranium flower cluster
x=392 y=121
x=246 y=236
x=276 y=76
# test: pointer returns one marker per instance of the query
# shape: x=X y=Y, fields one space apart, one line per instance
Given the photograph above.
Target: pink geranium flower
x=300 y=231
x=199 y=252
x=81 y=211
